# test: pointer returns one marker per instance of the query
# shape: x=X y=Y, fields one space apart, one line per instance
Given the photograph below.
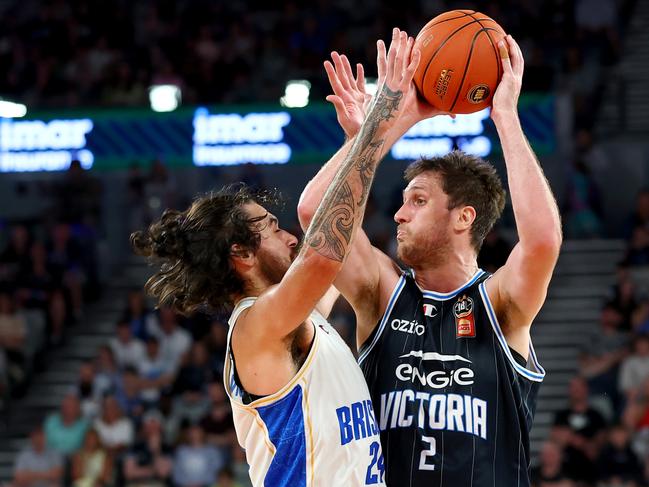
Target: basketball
x=460 y=66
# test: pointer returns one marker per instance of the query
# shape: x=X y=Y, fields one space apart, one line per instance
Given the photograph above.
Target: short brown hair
x=468 y=181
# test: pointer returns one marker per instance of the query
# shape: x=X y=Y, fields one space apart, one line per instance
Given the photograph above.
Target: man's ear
x=241 y=256
x=465 y=218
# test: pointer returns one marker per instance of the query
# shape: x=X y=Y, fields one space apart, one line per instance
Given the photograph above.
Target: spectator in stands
x=217 y=423
x=128 y=351
x=37 y=465
x=623 y=295
x=65 y=263
x=155 y=372
x=636 y=419
x=240 y=465
x=13 y=331
x=494 y=252
x=149 y=460
x=618 y=462
x=226 y=479
x=582 y=211
x=106 y=372
x=602 y=354
x=195 y=462
x=66 y=429
x=138 y=316
x=115 y=430
x=37 y=283
x=86 y=390
x=15 y=259
x=174 y=340
x=580 y=429
x=128 y=393
x=215 y=342
x=79 y=196
x=639 y=218
x=550 y=472
x=92 y=465
x=635 y=368
x=638 y=251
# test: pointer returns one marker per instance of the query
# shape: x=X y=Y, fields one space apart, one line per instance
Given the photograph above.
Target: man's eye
x=420 y=201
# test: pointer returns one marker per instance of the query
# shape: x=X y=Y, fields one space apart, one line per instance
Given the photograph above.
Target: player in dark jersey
x=444 y=346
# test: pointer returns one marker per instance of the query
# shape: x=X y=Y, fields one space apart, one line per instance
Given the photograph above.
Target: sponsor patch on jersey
x=464 y=320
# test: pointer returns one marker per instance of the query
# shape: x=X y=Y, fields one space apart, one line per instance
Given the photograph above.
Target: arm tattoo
x=343 y=205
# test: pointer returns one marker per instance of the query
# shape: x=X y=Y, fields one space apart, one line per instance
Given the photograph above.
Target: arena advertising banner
x=229 y=135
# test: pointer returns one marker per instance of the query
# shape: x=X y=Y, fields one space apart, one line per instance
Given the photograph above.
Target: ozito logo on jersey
x=464 y=320
x=412 y=327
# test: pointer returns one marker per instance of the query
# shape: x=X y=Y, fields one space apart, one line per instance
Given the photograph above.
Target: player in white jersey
x=301 y=407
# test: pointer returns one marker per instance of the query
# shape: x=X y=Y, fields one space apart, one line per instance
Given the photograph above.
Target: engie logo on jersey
x=464 y=320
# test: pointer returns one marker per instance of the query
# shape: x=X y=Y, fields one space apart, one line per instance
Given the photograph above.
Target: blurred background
x=111 y=112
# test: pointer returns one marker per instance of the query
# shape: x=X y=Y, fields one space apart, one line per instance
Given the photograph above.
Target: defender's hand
x=505 y=98
x=349 y=99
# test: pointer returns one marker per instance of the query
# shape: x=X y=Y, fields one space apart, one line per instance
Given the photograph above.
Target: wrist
x=504 y=117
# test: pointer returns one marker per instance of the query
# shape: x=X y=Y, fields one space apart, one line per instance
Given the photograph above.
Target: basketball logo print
x=478 y=93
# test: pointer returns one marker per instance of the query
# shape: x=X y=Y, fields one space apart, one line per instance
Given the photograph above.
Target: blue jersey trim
x=528 y=374
x=393 y=299
x=284 y=421
x=452 y=294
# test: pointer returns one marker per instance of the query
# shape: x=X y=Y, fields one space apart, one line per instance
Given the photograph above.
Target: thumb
x=504 y=57
x=337 y=102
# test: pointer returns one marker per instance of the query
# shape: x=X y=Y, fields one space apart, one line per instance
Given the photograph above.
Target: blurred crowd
x=150 y=409
x=602 y=437
x=80 y=52
x=48 y=271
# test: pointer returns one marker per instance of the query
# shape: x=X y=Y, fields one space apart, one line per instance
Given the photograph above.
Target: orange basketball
x=460 y=66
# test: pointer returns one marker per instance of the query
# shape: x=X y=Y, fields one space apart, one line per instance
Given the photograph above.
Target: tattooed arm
x=328 y=239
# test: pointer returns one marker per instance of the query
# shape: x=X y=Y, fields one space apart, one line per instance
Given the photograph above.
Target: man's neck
x=448 y=276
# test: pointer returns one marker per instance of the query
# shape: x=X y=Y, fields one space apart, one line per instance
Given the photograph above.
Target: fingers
x=337 y=102
x=334 y=81
x=516 y=55
x=392 y=54
x=348 y=71
x=340 y=70
x=360 y=77
x=409 y=72
x=504 y=57
x=381 y=60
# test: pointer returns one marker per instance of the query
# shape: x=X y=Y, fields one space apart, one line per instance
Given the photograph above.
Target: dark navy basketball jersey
x=455 y=404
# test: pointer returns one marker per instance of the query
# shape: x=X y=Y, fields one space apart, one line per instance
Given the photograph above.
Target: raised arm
x=328 y=238
x=519 y=288
x=368 y=276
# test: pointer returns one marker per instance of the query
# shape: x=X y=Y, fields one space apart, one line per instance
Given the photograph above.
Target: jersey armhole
x=371 y=341
x=533 y=371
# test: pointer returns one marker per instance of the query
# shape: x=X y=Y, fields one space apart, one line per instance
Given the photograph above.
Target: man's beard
x=421 y=252
x=273 y=268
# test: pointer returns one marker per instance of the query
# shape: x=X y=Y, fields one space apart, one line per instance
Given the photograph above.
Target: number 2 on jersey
x=377 y=459
x=427 y=453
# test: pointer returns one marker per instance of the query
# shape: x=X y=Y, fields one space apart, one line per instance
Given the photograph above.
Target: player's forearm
x=535 y=209
x=316 y=188
x=341 y=211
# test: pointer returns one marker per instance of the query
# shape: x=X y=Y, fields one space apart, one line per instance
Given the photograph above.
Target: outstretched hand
x=505 y=98
x=350 y=98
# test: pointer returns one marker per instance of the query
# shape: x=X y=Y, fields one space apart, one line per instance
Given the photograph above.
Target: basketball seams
x=439 y=48
x=466 y=67
x=491 y=41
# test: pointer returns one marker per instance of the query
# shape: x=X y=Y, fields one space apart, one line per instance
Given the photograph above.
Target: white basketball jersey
x=319 y=429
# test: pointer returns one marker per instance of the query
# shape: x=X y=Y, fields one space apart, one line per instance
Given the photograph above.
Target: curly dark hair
x=193 y=249
x=467 y=180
